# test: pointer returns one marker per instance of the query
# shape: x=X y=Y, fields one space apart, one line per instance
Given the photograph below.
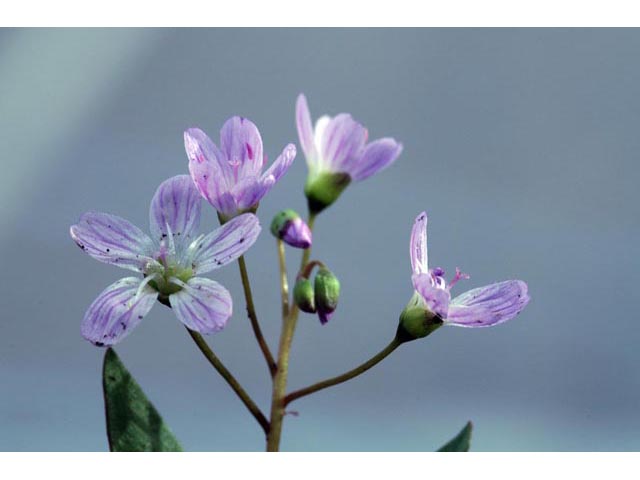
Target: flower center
x=164 y=271
x=437 y=275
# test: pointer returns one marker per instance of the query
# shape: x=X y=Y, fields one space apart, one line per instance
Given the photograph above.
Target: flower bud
x=327 y=292
x=291 y=229
x=324 y=189
x=303 y=295
x=417 y=321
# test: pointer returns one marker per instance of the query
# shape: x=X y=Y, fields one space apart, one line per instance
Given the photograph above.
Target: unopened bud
x=303 y=295
x=324 y=189
x=327 y=292
x=291 y=229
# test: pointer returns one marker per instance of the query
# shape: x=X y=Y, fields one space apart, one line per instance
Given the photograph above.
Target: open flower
x=230 y=177
x=337 y=153
x=170 y=261
x=479 y=307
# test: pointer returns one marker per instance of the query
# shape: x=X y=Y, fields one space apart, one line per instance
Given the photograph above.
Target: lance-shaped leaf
x=461 y=442
x=133 y=423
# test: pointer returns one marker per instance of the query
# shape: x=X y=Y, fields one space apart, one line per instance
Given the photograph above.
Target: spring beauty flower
x=171 y=261
x=230 y=178
x=432 y=306
x=337 y=153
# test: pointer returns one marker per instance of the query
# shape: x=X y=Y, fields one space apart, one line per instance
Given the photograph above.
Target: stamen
x=438 y=272
x=143 y=284
x=176 y=281
x=172 y=242
x=437 y=277
x=235 y=165
x=190 y=252
x=162 y=253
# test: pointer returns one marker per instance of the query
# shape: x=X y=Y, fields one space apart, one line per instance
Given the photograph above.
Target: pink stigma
x=458 y=276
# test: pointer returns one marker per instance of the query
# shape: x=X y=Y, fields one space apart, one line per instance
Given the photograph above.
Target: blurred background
x=522 y=145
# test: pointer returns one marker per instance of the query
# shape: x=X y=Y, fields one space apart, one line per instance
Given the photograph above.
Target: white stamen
x=143 y=284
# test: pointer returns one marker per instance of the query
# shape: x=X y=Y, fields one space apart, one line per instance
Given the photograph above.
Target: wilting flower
x=479 y=307
x=337 y=153
x=230 y=177
x=170 y=261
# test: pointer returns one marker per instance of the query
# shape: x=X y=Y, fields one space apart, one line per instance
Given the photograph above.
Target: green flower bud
x=324 y=189
x=327 y=292
x=303 y=295
x=417 y=321
x=291 y=229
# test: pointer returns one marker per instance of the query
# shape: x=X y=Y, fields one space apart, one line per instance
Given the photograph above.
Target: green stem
x=306 y=254
x=284 y=286
x=230 y=379
x=280 y=379
x=251 y=311
x=385 y=352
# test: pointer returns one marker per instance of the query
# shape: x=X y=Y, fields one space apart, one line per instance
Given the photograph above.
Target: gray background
x=521 y=144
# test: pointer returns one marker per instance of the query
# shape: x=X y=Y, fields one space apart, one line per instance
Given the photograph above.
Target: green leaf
x=133 y=423
x=461 y=442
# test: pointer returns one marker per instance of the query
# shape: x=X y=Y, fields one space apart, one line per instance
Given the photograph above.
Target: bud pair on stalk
x=321 y=297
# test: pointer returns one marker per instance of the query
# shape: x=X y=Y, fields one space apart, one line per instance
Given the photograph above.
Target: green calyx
x=326 y=290
x=303 y=295
x=417 y=321
x=280 y=221
x=324 y=188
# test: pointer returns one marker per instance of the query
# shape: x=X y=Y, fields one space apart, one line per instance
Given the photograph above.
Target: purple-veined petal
x=208 y=167
x=418 y=245
x=202 y=305
x=305 y=128
x=250 y=191
x=241 y=143
x=117 y=311
x=317 y=163
x=342 y=142
x=225 y=244
x=282 y=163
x=489 y=305
x=437 y=299
x=377 y=156
x=114 y=240
x=175 y=209
x=227 y=205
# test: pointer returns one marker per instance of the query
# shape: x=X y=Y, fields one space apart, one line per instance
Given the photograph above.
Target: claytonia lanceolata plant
x=171 y=260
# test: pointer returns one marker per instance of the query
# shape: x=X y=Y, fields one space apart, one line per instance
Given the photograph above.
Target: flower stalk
x=253 y=317
x=230 y=379
x=359 y=370
x=284 y=285
x=306 y=254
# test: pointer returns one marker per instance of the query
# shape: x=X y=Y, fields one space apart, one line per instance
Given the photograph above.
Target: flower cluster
x=171 y=260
